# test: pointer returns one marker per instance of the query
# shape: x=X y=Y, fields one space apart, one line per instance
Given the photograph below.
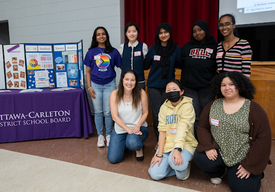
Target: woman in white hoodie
x=177 y=142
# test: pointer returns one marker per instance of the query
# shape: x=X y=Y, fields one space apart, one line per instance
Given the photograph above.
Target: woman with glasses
x=233 y=54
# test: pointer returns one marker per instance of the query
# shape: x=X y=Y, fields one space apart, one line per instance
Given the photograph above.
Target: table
x=44 y=115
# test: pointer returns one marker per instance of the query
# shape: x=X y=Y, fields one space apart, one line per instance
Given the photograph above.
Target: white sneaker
x=108 y=137
x=101 y=141
x=187 y=172
x=216 y=180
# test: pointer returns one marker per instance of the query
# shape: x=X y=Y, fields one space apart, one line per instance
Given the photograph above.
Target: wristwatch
x=179 y=149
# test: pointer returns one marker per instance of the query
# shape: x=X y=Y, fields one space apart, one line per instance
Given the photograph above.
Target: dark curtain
x=180 y=14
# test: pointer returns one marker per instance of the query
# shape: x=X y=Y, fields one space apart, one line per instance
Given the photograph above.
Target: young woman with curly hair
x=234 y=135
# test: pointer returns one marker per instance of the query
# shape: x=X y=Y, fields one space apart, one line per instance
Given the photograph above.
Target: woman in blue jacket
x=162 y=58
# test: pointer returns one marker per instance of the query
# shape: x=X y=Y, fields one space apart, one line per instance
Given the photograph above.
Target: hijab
x=166 y=52
x=204 y=26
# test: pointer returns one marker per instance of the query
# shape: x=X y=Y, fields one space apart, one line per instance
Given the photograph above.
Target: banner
x=15 y=69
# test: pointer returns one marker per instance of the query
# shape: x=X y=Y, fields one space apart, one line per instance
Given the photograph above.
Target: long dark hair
x=235 y=31
x=136 y=92
x=108 y=46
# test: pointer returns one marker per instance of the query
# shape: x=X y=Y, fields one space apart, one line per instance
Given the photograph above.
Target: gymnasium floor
x=76 y=164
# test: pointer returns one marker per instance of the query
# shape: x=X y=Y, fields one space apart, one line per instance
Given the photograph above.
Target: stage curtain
x=180 y=14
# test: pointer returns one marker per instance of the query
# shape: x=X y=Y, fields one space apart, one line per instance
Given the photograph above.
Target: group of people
x=230 y=135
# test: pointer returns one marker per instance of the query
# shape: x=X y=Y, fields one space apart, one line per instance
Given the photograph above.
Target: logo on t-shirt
x=102 y=61
x=201 y=53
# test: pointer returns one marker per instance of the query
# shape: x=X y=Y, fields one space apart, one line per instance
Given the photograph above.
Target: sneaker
x=216 y=180
x=101 y=141
x=108 y=137
x=187 y=172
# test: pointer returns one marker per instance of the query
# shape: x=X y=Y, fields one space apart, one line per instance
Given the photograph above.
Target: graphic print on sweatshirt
x=199 y=53
x=102 y=61
x=172 y=119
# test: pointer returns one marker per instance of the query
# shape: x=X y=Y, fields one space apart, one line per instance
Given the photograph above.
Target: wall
x=61 y=21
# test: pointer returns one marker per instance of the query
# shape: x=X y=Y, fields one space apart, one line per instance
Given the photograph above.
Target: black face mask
x=173 y=96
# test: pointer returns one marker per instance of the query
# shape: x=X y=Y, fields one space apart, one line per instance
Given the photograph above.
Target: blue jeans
x=102 y=106
x=118 y=142
x=167 y=167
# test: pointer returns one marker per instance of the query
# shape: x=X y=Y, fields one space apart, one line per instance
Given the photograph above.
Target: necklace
x=101 y=50
x=228 y=45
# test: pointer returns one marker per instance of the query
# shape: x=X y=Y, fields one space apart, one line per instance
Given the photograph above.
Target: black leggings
x=217 y=168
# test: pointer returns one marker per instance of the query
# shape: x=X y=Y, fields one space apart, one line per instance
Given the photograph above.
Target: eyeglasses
x=221 y=25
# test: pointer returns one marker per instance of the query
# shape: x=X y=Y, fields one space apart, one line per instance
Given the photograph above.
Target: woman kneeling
x=234 y=135
x=176 y=135
x=129 y=109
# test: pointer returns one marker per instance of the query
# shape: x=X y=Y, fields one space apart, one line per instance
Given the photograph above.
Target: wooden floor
x=84 y=152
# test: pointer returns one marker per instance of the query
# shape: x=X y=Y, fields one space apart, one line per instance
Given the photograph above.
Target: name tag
x=219 y=54
x=137 y=53
x=173 y=131
x=215 y=122
x=209 y=50
x=97 y=57
x=156 y=57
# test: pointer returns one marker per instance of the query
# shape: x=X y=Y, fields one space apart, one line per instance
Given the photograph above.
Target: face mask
x=173 y=96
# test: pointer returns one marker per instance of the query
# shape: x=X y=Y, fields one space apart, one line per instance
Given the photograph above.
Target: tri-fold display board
x=31 y=66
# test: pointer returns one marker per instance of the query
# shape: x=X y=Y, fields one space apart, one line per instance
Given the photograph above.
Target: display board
x=80 y=63
x=66 y=65
x=33 y=66
x=15 y=69
x=2 y=73
x=40 y=68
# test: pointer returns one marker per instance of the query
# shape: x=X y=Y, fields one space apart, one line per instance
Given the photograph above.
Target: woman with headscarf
x=162 y=58
x=199 y=66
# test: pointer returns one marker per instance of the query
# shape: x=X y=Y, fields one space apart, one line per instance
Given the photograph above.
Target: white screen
x=249 y=12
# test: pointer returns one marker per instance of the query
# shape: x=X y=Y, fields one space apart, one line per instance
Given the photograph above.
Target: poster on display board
x=2 y=73
x=80 y=63
x=66 y=65
x=40 y=68
x=15 y=69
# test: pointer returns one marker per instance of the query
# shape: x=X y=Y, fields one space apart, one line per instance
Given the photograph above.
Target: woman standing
x=199 y=66
x=133 y=52
x=233 y=54
x=100 y=62
x=234 y=135
x=162 y=57
x=176 y=135
x=129 y=107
